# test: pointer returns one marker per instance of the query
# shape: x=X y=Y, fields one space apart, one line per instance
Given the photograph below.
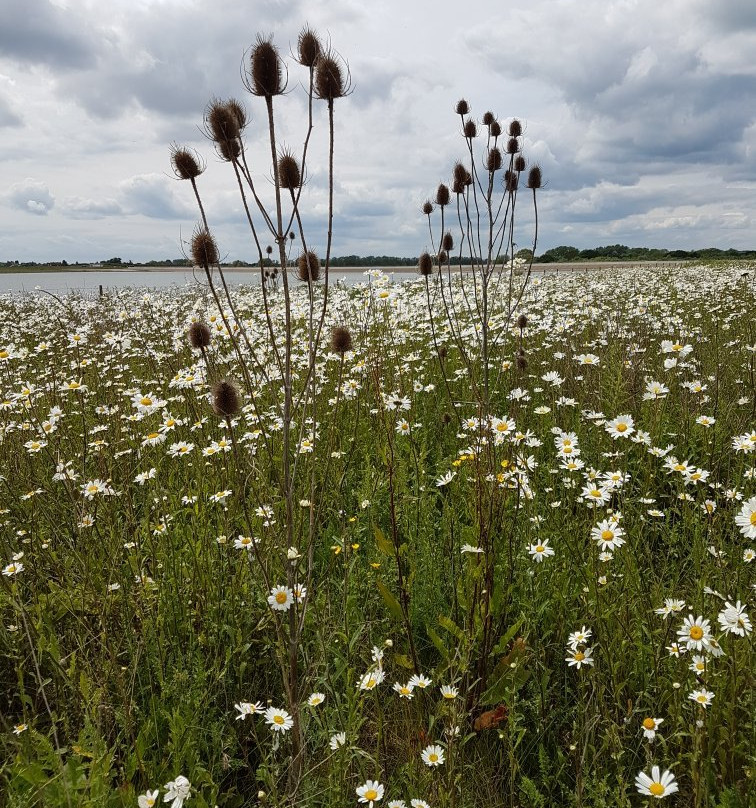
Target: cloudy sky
x=642 y=114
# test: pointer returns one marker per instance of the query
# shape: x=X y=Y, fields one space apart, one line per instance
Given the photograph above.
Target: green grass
x=135 y=625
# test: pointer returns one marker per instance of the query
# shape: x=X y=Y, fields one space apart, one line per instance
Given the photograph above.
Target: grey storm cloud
x=37 y=31
x=31 y=196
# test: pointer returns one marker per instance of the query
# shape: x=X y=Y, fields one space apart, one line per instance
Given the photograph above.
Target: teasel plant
x=265 y=76
x=474 y=218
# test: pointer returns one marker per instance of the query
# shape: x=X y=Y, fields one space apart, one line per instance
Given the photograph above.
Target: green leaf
x=384 y=545
x=501 y=646
x=390 y=600
x=438 y=642
x=451 y=627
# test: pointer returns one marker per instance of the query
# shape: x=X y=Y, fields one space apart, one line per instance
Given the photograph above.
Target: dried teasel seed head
x=187 y=165
x=229 y=150
x=308 y=266
x=341 y=340
x=522 y=321
x=458 y=187
x=442 y=257
x=425 y=264
x=446 y=418
x=460 y=172
x=513 y=145
x=462 y=107
x=199 y=335
x=447 y=242
x=442 y=195
x=515 y=128
x=494 y=159
x=510 y=181
x=488 y=118
x=534 y=177
x=427 y=207
x=519 y=163
x=236 y=108
x=221 y=122
x=289 y=175
x=330 y=81
x=470 y=129
x=495 y=129
x=269 y=249
x=308 y=47
x=204 y=249
x=521 y=361
x=266 y=72
x=226 y=399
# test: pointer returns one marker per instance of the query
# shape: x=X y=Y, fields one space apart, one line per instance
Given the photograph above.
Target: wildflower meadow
x=459 y=538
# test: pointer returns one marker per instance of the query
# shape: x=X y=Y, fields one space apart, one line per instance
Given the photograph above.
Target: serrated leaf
x=438 y=642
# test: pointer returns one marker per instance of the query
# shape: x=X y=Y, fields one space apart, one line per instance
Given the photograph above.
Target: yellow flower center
x=146 y=402
x=539 y=549
x=696 y=632
x=4 y=354
x=621 y=427
x=657 y=789
x=595 y=493
x=649 y=723
x=278 y=719
x=701 y=699
x=281 y=597
x=153 y=435
x=371 y=794
x=567 y=449
x=606 y=535
x=579 y=656
x=677 y=347
x=433 y=757
x=753 y=519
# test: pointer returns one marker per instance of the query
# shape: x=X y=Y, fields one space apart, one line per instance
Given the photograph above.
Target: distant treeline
x=562 y=254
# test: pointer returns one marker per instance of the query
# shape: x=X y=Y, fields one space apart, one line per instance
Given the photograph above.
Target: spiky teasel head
x=236 y=108
x=308 y=266
x=515 y=128
x=341 y=340
x=265 y=74
x=425 y=264
x=495 y=129
x=461 y=178
x=510 y=181
x=442 y=196
x=519 y=164
x=427 y=207
x=186 y=163
x=199 y=335
x=442 y=257
x=488 y=118
x=226 y=399
x=534 y=177
x=447 y=242
x=513 y=145
x=289 y=175
x=462 y=107
x=521 y=361
x=522 y=321
x=204 y=249
x=222 y=121
x=308 y=47
x=332 y=78
x=494 y=159
x=470 y=129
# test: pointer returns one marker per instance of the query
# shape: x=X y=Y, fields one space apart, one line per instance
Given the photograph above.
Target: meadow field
x=426 y=561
